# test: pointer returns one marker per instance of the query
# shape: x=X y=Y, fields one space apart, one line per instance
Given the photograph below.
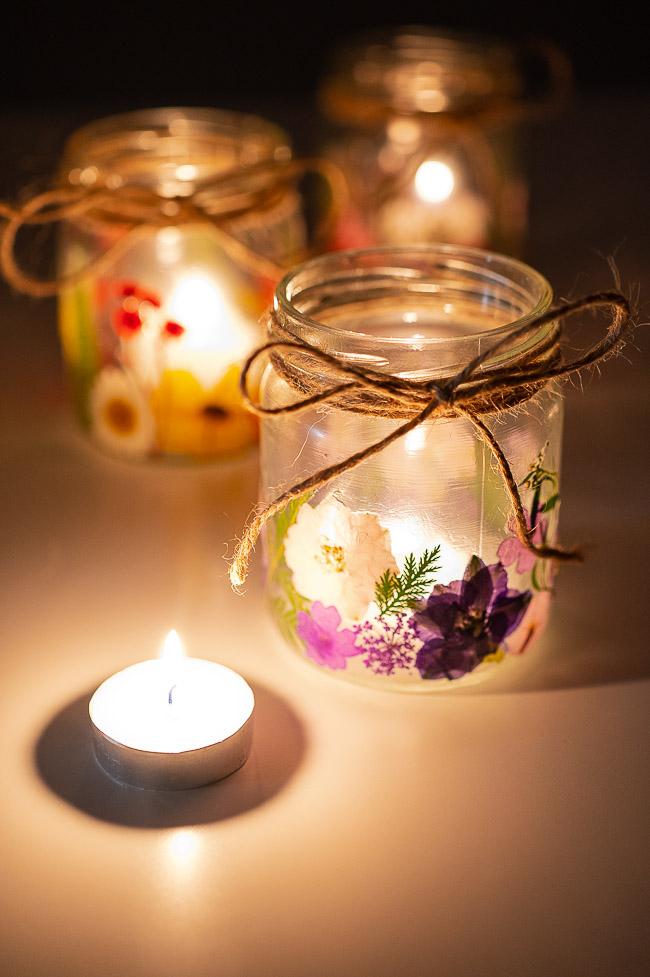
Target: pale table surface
x=498 y=833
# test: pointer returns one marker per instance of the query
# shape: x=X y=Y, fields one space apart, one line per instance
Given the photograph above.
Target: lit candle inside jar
x=196 y=329
x=406 y=537
x=437 y=206
x=172 y=722
x=216 y=335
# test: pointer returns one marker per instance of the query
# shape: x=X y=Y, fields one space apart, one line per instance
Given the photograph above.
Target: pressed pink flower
x=512 y=550
x=325 y=644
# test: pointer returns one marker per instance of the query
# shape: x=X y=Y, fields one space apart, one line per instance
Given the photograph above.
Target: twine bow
x=138 y=210
x=470 y=393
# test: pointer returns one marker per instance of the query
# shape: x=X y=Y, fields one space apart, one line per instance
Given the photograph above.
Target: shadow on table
x=66 y=762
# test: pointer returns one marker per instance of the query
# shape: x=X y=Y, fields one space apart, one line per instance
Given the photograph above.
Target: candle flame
x=199 y=304
x=172 y=650
x=434 y=181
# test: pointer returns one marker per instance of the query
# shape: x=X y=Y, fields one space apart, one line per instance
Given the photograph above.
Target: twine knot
x=444 y=393
x=221 y=203
x=477 y=390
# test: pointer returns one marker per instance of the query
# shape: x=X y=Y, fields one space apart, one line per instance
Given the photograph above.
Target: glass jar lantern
x=422 y=126
x=405 y=572
x=153 y=343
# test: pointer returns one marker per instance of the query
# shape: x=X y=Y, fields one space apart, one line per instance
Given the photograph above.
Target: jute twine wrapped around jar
x=474 y=393
x=220 y=202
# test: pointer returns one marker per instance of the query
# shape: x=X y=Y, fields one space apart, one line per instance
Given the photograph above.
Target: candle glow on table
x=173 y=707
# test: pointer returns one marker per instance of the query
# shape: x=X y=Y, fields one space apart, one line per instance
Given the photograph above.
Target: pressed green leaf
x=551 y=503
x=286 y=518
x=397 y=591
x=282 y=523
x=79 y=335
x=288 y=603
x=285 y=618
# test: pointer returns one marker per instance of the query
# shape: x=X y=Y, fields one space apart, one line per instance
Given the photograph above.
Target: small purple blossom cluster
x=388 y=643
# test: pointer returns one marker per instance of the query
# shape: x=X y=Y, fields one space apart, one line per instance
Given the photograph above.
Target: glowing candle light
x=215 y=334
x=434 y=181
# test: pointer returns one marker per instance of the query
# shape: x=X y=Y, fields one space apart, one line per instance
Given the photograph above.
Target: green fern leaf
x=397 y=591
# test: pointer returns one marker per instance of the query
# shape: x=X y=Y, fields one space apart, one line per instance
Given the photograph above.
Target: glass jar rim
x=419 y=70
x=171 y=137
x=504 y=269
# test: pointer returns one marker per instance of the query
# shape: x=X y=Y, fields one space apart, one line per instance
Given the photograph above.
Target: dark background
x=64 y=65
x=138 y=54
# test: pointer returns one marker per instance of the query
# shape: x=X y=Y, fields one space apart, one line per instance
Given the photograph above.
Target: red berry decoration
x=266 y=290
x=127 y=323
x=173 y=329
x=127 y=290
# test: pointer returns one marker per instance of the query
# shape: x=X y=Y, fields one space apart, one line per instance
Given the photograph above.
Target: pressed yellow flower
x=193 y=420
x=495 y=656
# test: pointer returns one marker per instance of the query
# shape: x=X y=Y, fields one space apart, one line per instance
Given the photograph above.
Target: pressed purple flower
x=324 y=643
x=466 y=620
x=388 y=643
x=512 y=550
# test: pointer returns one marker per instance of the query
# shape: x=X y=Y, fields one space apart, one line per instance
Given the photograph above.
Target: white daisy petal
x=122 y=421
x=337 y=555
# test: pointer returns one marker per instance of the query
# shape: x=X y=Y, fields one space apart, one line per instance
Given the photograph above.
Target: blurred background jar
x=153 y=340
x=425 y=125
x=404 y=572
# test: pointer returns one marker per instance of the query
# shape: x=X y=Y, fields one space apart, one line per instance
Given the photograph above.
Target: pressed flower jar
x=153 y=342
x=423 y=126
x=405 y=572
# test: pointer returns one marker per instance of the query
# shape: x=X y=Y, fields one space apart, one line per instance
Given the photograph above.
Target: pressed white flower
x=121 y=419
x=337 y=555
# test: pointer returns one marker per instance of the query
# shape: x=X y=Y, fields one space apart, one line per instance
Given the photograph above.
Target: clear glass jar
x=423 y=129
x=153 y=344
x=363 y=574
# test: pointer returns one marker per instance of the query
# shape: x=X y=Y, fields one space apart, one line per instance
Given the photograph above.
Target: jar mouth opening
x=172 y=150
x=417 y=69
x=342 y=283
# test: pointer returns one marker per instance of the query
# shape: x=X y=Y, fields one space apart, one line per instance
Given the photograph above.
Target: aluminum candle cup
x=164 y=725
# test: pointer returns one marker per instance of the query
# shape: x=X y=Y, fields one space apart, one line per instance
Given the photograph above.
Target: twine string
x=139 y=210
x=469 y=393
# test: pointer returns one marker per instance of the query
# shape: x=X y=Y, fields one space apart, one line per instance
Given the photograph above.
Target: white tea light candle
x=173 y=722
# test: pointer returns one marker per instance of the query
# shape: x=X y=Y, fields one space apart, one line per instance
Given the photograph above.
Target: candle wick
x=169 y=697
